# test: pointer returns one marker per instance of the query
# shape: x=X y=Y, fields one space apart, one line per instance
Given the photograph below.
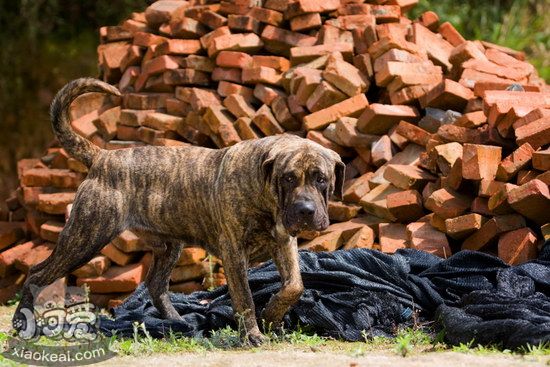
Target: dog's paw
x=256 y=339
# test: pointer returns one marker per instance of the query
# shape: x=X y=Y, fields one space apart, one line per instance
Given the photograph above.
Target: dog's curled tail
x=77 y=146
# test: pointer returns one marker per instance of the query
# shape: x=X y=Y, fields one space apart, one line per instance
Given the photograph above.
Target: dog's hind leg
x=97 y=217
x=165 y=256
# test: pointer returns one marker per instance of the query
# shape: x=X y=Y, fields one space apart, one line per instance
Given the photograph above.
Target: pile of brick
x=446 y=140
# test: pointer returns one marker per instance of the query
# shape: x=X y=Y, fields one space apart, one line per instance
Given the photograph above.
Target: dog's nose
x=305 y=208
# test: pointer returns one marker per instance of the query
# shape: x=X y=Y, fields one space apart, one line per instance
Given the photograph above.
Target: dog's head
x=302 y=175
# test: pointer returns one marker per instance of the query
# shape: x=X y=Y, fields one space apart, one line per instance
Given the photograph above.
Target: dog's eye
x=290 y=178
x=321 y=180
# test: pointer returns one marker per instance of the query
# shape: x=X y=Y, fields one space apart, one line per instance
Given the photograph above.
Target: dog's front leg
x=235 y=266
x=285 y=257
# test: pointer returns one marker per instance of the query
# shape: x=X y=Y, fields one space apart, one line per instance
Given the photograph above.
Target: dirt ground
x=288 y=358
x=334 y=355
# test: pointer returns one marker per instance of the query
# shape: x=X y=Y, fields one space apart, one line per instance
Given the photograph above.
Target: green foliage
x=518 y=24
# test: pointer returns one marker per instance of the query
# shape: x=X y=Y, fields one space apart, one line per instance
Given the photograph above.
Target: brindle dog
x=242 y=204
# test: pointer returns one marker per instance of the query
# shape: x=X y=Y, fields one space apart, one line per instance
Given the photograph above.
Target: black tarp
x=472 y=295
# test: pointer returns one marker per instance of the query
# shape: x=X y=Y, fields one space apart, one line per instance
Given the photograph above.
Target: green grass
x=408 y=342
x=518 y=24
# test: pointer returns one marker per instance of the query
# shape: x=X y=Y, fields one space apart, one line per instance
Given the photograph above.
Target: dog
x=243 y=204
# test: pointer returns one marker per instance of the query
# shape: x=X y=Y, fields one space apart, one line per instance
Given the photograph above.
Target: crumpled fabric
x=474 y=297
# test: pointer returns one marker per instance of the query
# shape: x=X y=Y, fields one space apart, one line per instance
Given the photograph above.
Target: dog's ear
x=268 y=163
x=339 y=174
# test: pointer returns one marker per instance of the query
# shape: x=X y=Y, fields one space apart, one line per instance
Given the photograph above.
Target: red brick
x=413 y=133
x=128 y=241
x=381 y=151
x=229 y=74
x=303 y=54
x=541 y=160
x=266 y=122
x=345 y=76
x=327 y=242
x=491 y=229
x=323 y=96
x=10 y=233
x=422 y=236
x=117 y=256
x=243 y=23
x=447 y=95
x=516 y=161
x=393 y=236
x=374 y=201
x=536 y=133
x=498 y=202
x=480 y=161
x=185 y=273
x=354 y=190
x=438 y=49
x=379 y=118
x=244 y=42
x=267 y=94
x=350 y=107
x=450 y=34
x=430 y=20
x=55 y=203
x=37 y=254
x=342 y=212
x=517 y=247
x=531 y=200
x=305 y=22
x=447 y=203
x=318 y=137
x=226 y=88
x=186 y=287
x=162 y=11
x=116 y=279
x=9 y=256
x=50 y=230
x=311 y=6
x=407 y=177
x=405 y=206
x=535 y=114
x=390 y=70
x=464 y=225
x=363 y=238
x=95 y=267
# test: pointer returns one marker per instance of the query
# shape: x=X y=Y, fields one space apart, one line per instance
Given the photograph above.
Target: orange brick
x=464 y=225
x=516 y=161
x=405 y=206
x=363 y=238
x=50 y=230
x=517 y=247
x=326 y=242
x=422 y=236
x=491 y=229
x=480 y=161
x=393 y=236
x=10 y=232
x=95 y=267
x=379 y=118
x=350 y=107
x=448 y=95
x=531 y=200
x=342 y=212
x=447 y=203
x=115 y=279
x=451 y=34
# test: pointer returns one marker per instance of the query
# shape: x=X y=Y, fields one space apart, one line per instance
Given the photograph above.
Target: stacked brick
x=446 y=140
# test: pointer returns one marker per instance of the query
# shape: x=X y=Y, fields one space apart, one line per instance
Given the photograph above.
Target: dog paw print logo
x=70 y=318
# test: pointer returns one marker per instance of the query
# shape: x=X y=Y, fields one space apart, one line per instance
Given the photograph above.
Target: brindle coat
x=239 y=203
